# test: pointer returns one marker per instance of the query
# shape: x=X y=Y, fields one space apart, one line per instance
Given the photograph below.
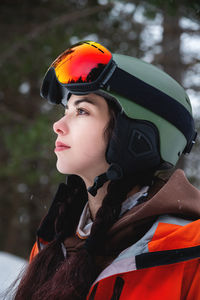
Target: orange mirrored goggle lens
x=82 y=63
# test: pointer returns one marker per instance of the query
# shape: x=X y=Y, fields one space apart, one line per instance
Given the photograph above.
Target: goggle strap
x=110 y=71
x=145 y=95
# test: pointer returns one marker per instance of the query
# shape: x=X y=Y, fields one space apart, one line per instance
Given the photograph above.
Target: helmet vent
x=139 y=144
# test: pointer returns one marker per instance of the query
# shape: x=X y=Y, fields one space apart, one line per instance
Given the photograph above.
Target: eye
x=81 y=111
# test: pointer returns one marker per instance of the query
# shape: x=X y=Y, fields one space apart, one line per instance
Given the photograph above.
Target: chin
x=62 y=169
x=66 y=168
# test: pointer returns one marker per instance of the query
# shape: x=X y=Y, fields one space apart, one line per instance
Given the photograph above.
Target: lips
x=61 y=146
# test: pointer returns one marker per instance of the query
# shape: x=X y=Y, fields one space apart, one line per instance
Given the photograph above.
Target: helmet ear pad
x=134 y=145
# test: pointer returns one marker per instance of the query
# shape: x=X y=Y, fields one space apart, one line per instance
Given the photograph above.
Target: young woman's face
x=81 y=142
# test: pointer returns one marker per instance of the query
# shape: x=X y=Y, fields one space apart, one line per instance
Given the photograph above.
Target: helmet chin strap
x=114 y=172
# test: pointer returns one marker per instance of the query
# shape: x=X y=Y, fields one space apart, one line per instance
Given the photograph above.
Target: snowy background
x=10 y=268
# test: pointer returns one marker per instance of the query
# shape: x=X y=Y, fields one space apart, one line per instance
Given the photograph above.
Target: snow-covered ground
x=10 y=267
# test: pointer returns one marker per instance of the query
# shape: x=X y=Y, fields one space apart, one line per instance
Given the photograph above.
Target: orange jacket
x=164 y=264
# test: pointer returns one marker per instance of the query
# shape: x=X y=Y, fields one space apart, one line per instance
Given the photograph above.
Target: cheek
x=87 y=155
x=88 y=149
x=94 y=142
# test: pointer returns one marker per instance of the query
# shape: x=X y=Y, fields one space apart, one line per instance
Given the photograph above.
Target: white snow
x=186 y=23
x=10 y=267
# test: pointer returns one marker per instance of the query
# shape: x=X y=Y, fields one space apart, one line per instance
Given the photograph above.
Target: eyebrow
x=80 y=101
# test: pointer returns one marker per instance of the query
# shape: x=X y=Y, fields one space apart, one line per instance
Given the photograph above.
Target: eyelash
x=79 y=109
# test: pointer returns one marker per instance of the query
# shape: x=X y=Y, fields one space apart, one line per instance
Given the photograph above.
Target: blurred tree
x=171 y=58
x=192 y=164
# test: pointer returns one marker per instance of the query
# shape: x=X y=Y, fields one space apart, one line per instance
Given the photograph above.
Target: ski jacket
x=152 y=252
x=163 y=264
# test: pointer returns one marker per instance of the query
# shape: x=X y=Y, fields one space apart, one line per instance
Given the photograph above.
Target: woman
x=117 y=229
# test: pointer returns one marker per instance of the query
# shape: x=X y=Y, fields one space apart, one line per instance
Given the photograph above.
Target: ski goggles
x=84 y=68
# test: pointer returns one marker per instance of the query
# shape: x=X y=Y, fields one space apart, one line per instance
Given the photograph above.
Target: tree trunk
x=171 y=55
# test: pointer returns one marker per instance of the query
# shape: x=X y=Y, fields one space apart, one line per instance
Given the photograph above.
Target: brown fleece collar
x=177 y=197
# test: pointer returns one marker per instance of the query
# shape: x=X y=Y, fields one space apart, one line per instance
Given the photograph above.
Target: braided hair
x=51 y=275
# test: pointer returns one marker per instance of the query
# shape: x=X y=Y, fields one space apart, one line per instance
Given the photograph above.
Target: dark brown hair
x=52 y=276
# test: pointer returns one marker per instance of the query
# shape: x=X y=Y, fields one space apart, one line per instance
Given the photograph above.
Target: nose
x=60 y=127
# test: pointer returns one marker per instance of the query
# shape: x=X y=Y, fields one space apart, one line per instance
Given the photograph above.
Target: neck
x=95 y=202
x=134 y=190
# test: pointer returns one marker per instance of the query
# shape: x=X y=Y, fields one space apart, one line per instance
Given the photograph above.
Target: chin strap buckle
x=114 y=172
